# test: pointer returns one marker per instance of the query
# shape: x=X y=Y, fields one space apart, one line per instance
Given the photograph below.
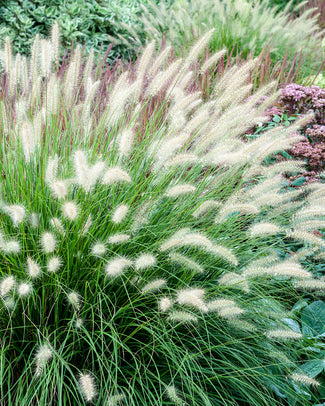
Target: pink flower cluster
x=314 y=153
x=298 y=99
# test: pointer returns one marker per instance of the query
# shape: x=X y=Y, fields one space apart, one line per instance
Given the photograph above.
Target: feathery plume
x=27 y=140
x=33 y=268
x=159 y=61
x=125 y=142
x=306 y=237
x=180 y=190
x=46 y=57
x=98 y=249
x=240 y=208
x=74 y=300
x=120 y=213
x=118 y=238
x=114 y=175
x=24 y=289
x=70 y=210
x=48 y=242
x=89 y=65
x=78 y=323
x=172 y=394
x=57 y=225
x=165 y=304
x=59 y=189
x=51 y=170
x=54 y=264
x=87 y=386
x=233 y=280
x=153 y=286
x=34 y=220
x=55 y=40
x=218 y=304
x=34 y=68
x=186 y=262
x=304 y=379
x=182 y=317
x=7 y=55
x=114 y=400
x=42 y=356
x=145 y=261
x=212 y=61
x=281 y=334
x=197 y=49
x=182 y=159
x=205 y=207
x=161 y=80
x=192 y=297
x=310 y=284
x=116 y=266
x=261 y=229
x=16 y=213
x=86 y=176
x=6 y=285
x=12 y=247
x=86 y=226
x=230 y=312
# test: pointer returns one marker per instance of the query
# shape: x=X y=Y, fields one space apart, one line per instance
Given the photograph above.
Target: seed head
x=24 y=289
x=87 y=386
x=98 y=249
x=153 y=286
x=12 y=247
x=118 y=238
x=6 y=285
x=145 y=261
x=116 y=266
x=53 y=264
x=48 y=242
x=70 y=211
x=16 y=213
x=165 y=304
x=74 y=300
x=281 y=334
x=33 y=268
x=120 y=213
x=59 y=189
x=192 y=297
x=304 y=379
x=114 y=175
x=43 y=355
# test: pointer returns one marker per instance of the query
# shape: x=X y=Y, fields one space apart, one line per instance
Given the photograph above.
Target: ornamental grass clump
x=247 y=26
x=134 y=265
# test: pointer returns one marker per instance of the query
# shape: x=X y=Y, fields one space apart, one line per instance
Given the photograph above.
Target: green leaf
x=313 y=368
x=276 y=119
x=313 y=319
x=299 y=181
x=292 y=324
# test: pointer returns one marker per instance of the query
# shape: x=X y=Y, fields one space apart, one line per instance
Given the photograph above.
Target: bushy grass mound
x=140 y=239
x=246 y=26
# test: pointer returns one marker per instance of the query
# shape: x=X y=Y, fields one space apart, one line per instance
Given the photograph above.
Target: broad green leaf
x=312 y=368
x=299 y=181
x=313 y=319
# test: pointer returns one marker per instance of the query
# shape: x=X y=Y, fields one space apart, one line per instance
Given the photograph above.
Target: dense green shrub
x=143 y=244
x=87 y=22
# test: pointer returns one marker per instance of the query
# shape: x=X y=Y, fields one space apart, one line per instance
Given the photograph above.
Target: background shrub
x=87 y=22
